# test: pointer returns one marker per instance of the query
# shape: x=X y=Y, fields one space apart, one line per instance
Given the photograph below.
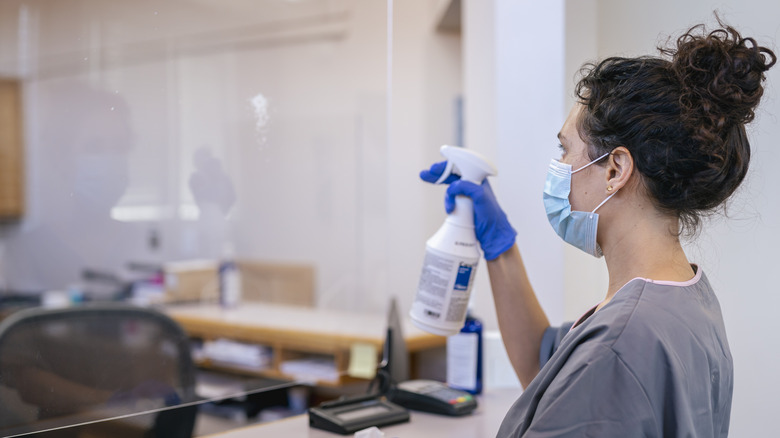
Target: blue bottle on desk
x=464 y=357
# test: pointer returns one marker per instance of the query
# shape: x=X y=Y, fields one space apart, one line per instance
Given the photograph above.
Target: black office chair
x=84 y=364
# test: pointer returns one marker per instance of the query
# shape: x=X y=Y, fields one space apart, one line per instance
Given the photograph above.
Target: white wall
x=426 y=82
x=514 y=109
x=586 y=278
x=517 y=96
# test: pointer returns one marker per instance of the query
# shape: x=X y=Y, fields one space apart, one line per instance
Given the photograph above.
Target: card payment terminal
x=432 y=396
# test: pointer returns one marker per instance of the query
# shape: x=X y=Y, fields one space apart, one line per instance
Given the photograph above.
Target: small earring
x=609 y=188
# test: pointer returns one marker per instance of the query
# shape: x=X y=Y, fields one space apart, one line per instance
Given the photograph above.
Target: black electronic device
x=349 y=415
x=432 y=396
x=421 y=395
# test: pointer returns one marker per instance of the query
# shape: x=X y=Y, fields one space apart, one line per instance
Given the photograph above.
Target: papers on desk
x=219 y=386
x=311 y=369
x=225 y=351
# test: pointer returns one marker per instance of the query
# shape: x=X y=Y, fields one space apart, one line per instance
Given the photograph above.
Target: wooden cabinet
x=11 y=150
x=294 y=332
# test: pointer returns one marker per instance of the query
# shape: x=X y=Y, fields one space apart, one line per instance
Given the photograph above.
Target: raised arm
x=520 y=317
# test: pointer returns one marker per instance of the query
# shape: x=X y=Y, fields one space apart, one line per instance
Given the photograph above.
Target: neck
x=646 y=246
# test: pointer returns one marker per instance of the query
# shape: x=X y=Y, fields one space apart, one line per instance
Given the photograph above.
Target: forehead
x=569 y=135
x=569 y=128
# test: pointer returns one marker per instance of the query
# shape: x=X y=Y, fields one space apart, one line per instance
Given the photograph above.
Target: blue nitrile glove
x=491 y=225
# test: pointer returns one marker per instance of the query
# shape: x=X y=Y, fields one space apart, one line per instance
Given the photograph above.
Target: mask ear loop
x=592 y=162
x=604 y=201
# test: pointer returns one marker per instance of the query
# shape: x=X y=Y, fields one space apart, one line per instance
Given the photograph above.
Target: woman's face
x=588 y=186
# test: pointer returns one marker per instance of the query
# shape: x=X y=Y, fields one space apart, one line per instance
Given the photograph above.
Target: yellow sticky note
x=362 y=360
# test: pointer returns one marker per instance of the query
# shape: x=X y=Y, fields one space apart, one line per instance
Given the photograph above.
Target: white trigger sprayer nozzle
x=470 y=165
x=447 y=172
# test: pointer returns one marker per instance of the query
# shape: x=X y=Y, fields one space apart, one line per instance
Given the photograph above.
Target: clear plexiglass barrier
x=195 y=192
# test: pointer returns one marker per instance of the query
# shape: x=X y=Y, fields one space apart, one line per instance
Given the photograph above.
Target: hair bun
x=721 y=75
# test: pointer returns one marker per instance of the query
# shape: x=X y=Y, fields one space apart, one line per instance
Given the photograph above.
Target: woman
x=652 y=145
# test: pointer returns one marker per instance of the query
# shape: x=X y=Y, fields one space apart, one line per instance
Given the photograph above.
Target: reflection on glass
x=81 y=364
x=159 y=137
x=85 y=139
x=160 y=132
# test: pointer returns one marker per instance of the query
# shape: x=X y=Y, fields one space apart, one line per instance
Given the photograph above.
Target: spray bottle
x=452 y=253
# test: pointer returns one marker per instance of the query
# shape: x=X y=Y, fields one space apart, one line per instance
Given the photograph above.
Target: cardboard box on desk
x=284 y=283
x=192 y=280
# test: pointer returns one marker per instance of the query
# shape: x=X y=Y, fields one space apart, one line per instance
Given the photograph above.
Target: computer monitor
x=394 y=367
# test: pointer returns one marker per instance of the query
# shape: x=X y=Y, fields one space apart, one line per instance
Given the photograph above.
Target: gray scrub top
x=653 y=362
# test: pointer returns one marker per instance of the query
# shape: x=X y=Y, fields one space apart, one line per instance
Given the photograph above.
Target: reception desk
x=483 y=422
x=293 y=332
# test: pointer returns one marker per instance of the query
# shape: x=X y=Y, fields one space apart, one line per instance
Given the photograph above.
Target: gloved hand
x=491 y=225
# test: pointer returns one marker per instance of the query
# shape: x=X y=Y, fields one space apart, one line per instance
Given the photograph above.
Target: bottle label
x=445 y=284
x=462 y=356
x=463 y=280
x=459 y=300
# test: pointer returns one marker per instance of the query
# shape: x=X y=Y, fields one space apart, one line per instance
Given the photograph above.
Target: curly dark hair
x=682 y=119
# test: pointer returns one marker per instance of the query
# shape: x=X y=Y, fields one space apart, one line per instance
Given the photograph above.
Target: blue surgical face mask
x=577 y=228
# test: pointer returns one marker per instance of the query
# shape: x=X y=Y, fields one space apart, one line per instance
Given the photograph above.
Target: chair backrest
x=87 y=362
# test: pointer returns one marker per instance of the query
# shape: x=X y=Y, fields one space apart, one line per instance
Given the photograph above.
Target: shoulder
x=656 y=307
x=651 y=344
x=668 y=313
x=616 y=400
x=669 y=325
x=606 y=326
x=669 y=336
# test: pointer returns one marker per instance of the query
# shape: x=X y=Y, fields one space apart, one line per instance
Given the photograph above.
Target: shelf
x=293 y=332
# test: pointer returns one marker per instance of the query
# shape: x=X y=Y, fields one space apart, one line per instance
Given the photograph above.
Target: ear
x=620 y=167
